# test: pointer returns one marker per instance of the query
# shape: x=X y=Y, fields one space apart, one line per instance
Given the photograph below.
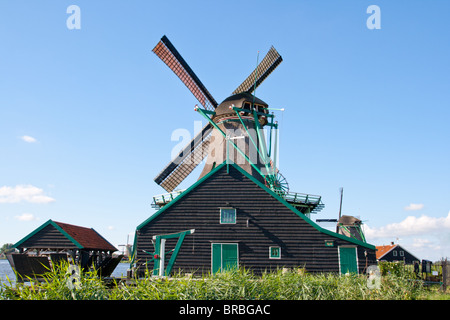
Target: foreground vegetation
x=231 y=285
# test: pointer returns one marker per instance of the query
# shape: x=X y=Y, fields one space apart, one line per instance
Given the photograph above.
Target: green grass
x=232 y=285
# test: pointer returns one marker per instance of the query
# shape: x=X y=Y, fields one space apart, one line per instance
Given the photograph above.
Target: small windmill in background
x=349 y=226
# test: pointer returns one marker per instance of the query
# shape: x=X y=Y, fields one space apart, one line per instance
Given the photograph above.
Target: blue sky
x=87 y=115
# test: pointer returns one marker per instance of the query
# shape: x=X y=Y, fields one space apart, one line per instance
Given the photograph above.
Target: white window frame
x=272 y=256
x=222 y=221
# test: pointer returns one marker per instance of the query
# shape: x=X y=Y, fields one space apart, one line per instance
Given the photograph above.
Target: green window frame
x=274 y=253
x=227 y=216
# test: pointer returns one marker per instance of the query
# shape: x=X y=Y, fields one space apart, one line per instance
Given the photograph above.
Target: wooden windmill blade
x=262 y=71
x=196 y=150
x=172 y=58
x=186 y=161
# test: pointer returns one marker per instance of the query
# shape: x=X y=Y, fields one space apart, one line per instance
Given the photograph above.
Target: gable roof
x=383 y=250
x=262 y=186
x=81 y=237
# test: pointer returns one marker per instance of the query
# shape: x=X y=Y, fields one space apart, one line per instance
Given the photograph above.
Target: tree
x=6 y=248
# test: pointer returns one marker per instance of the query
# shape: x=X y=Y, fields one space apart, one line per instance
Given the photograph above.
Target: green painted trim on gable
x=49 y=222
x=68 y=236
x=178 y=198
x=301 y=215
x=18 y=243
x=273 y=194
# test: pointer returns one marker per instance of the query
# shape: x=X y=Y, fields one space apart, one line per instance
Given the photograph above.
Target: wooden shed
x=228 y=219
x=53 y=241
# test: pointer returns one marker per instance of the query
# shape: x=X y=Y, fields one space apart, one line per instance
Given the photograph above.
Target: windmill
x=241 y=115
x=347 y=225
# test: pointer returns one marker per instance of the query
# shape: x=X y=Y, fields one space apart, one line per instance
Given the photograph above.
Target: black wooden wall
x=262 y=221
x=48 y=237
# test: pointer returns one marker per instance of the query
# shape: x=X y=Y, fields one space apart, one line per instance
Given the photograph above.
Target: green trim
x=181 y=196
x=301 y=215
x=201 y=111
x=275 y=252
x=245 y=127
x=18 y=243
x=261 y=185
x=68 y=236
x=262 y=144
x=180 y=235
x=49 y=222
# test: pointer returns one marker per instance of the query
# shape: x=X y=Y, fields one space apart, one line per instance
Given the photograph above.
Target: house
x=395 y=252
x=228 y=218
x=54 y=241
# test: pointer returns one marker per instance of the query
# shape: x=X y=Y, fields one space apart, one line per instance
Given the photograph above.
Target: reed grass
x=238 y=284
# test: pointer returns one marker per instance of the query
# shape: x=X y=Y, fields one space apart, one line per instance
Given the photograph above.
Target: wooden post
x=445 y=274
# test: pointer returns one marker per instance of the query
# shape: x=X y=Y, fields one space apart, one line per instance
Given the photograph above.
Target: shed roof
x=81 y=237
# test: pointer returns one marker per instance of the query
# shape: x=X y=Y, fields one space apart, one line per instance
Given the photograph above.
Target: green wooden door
x=347 y=260
x=224 y=256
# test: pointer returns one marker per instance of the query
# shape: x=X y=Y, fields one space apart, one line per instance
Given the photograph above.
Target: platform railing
x=163 y=199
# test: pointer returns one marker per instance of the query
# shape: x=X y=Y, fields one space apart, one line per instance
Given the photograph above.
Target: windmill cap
x=349 y=220
x=238 y=101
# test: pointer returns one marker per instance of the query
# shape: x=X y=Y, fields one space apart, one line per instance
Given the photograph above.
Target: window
x=394 y=253
x=274 y=253
x=402 y=253
x=227 y=215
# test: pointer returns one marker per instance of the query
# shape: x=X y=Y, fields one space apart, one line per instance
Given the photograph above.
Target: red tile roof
x=382 y=250
x=86 y=237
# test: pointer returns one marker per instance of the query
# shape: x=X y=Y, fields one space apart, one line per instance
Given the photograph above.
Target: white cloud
x=425 y=237
x=28 y=139
x=26 y=217
x=26 y=193
x=410 y=226
x=425 y=244
x=414 y=206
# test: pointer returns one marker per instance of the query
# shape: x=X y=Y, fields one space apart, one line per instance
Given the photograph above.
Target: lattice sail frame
x=262 y=71
x=186 y=161
x=170 y=56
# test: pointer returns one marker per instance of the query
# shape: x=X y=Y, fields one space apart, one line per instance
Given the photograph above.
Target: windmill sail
x=262 y=71
x=186 y=160
x=186 y=167
x=195 y=151
x=170 y=56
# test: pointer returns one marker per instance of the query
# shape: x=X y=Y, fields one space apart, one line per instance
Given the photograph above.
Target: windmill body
x=240 y=130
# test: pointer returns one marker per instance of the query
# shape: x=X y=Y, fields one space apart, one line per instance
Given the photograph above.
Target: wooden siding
x=48 y=237
x=261 y=222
